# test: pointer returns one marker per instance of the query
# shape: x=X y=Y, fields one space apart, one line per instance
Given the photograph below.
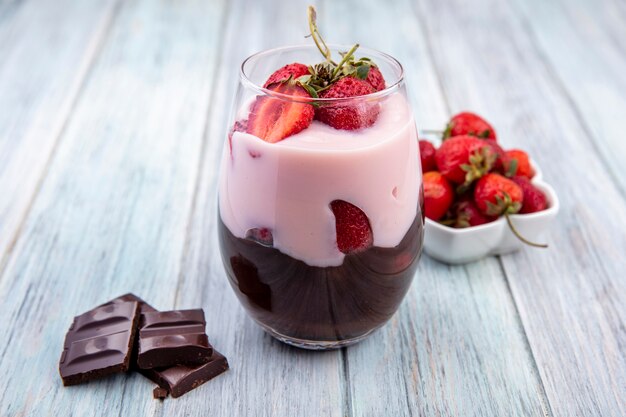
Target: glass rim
x=246 y=81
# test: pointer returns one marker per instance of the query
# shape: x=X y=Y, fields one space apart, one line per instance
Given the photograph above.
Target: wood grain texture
x=112 y=212
x=457 y=346
x=46 y=49
x=590 y=70
x=571 y=297
x=114 y=119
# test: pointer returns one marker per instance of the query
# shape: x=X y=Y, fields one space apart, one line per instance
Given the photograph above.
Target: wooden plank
x=595 y=33
x=456 y=347
x=112 y=212
x=41 y=70
x=267 y=378
x=569 y=295
x=593 y=308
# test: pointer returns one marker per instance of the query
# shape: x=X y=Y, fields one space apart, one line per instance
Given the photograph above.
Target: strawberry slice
x=354 y=233
x=273 y=119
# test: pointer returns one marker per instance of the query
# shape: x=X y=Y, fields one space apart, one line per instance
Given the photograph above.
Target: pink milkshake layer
x=288 y=186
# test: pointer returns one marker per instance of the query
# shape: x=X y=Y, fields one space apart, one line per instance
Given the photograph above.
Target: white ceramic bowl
x=457 y=246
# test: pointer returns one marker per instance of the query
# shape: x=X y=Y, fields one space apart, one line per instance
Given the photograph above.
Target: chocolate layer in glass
x=299 y=301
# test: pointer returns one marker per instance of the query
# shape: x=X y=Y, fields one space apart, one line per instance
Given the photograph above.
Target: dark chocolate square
x=99 y=343
x=171 y=338
x=179 y=380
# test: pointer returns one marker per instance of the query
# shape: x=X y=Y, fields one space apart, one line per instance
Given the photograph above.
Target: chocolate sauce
x=321 y=304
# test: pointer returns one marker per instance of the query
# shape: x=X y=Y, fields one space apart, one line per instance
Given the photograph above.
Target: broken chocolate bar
x=99 y=342
x=171 y=338
x=143 y=308
x=179 y=380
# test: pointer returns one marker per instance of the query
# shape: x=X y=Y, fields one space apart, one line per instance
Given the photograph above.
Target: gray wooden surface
x=112 y=116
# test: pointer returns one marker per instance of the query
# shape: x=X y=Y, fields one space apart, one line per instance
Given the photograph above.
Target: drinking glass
x=276 y=220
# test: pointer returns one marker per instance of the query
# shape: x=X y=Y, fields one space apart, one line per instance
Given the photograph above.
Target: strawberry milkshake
x=320 y=202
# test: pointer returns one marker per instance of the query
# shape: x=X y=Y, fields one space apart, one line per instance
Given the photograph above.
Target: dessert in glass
x=320 y=192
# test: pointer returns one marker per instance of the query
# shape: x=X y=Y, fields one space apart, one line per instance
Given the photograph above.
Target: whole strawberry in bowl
x=500 y=201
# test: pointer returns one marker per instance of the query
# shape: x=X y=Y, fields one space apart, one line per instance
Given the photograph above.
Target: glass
x=277 y=229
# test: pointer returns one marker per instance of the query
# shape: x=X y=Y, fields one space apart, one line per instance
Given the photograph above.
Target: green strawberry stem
x=480 y=163
x=520 y=237
x=345 y=59
x=447 y=132
x=510 y=172
x=315 y=34
x=322 y=75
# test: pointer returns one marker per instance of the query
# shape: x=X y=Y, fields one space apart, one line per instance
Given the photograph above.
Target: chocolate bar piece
x=143 y=308
x=171 y=338
x=159 y=393
x=179 y=380
x=99 y=343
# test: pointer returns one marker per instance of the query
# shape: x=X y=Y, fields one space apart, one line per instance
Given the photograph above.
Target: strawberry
x=239 y=126
x=467 y=123
x=348 y=77
x=348 y=116
x=375 y=79
x=463 y=159
x=354 y=233
x=497 y=195
x=427 y=155
x=294 y=71
x=438 y=195
x=273 y=119
x=261 y=235
x=534 y=199
x=518 y=164
x=465 y=213
x=502 y=159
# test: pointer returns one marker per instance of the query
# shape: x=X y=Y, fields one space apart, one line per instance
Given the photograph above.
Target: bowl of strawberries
x=479 y=199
